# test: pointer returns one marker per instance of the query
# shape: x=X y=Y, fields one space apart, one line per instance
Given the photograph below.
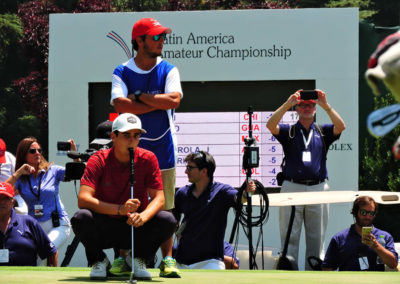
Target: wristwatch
x=137 y=94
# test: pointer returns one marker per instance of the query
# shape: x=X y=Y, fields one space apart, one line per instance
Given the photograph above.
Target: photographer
x=305 y=145
x=37 y=181
x=205 y=205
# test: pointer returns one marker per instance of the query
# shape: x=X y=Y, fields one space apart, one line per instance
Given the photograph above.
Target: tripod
x=71 y=248
x=250 y=160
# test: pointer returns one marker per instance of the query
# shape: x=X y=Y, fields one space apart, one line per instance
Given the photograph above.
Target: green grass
x=76 y=275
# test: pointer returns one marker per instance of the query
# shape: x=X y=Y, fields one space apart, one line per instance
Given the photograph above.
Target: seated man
x=22 y=239
x=205 y=205
x=107 y=210
x=348 y=250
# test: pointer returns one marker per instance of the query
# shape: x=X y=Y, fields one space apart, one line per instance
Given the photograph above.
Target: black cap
x=103 y=130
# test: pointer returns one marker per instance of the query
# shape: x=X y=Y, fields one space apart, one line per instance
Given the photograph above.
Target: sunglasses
x=34 y=150
x=365 y=212
x=157 y=37
x=189 y=168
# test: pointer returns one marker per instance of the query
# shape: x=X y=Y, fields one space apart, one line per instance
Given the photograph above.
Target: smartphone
x=308 y=95
x=63 y=146
x=365 y=231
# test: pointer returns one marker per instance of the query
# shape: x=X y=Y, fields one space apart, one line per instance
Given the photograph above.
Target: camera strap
x=37 y=195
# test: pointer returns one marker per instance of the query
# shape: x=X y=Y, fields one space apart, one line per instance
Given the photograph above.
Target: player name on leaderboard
x=222 y=134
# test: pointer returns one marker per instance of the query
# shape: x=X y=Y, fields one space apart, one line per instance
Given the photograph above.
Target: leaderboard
x=222 y=134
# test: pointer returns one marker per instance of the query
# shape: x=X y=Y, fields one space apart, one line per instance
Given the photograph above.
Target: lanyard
x=31 y=188
x=306 y=143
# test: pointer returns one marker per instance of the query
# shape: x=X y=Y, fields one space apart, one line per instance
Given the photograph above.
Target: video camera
x=251 y=156
x=75 y=170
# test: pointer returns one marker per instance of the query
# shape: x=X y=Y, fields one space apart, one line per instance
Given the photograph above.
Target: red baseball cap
x=6 y=189
x=148 y=26
x=2 y=151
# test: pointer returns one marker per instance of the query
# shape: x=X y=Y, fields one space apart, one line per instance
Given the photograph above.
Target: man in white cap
x=107 y=210
x=150 y=87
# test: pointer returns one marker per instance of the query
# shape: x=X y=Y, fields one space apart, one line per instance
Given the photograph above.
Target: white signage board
x=244 y=45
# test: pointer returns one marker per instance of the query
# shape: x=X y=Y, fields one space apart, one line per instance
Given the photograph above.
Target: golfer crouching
x=107 y=210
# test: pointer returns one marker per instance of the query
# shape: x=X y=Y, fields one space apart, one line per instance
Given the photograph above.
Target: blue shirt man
x=22 y=239
x=353 y=251
x=305 y=146
x=205 y=221
x=205 y=205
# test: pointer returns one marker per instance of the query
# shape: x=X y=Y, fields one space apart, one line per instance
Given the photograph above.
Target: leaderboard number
x=273 y=182
x=273 y=171
x=272 y=149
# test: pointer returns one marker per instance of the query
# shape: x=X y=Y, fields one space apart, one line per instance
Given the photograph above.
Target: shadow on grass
x=108 y=280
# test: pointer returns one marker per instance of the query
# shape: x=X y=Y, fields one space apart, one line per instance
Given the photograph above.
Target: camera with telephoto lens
x=75 y=170
x=55 y=219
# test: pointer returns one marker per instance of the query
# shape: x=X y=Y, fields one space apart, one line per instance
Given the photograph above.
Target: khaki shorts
x=168 y=179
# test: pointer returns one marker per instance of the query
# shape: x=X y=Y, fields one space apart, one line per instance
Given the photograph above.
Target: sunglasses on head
x=201 y=155
x=365 y=212
x=33 y=151
x=157 y=37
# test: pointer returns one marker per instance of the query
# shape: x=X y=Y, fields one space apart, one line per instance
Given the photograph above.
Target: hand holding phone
x=308 y=95
x=365 y=231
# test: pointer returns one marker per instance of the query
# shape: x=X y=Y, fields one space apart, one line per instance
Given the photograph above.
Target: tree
x=380 y=12
x=34 y=16
x=388 y=12
x=365 y=6
x=10 y=6
x=13 y=121
x=138 y=5
x=181 y=5
x=11 y=55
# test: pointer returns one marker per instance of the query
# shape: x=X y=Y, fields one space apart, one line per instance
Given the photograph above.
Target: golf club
x=132 y=181
x=383 y=120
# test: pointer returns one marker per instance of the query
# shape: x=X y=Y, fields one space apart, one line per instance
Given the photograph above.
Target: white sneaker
x=99 y=269
x=139 y=269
